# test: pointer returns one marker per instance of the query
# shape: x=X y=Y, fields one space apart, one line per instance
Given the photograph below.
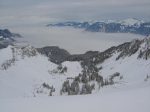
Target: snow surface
x=136 y=100
x=5 y=54
x=21 y=81
x=26 y=75
x=131 y=22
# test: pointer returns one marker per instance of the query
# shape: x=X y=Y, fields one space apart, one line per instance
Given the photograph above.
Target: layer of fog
x=73 y=40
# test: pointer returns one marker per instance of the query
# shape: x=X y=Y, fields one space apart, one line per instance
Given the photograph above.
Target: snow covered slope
x=136 y=100
x=119 y=79
x=131 y=22
x=27 y=73
x=130 y=25
x=24 y=70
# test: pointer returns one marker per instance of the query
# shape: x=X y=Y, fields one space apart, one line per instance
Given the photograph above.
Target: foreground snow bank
x=136 y=100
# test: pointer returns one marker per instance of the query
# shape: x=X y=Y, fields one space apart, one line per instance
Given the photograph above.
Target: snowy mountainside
x=130 y=25
x=131 y=22
x=7 y=38
x=25 y=72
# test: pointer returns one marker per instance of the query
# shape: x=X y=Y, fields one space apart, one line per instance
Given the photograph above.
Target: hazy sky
x=29 y=17
x=36 y=11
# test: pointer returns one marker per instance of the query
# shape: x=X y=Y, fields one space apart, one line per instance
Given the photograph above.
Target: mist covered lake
x=74 y=40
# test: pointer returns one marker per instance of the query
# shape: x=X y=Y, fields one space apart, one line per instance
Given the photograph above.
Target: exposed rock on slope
x=6 y=34
x=7 y=37
x=54 y=53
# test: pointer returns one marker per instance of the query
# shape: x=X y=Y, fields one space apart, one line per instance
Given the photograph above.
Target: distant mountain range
x=7 y=37
x=130 y=25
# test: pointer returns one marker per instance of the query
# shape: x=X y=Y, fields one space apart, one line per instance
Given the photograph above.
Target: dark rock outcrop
x=5 y=33
x=3 y=46
x=91 y=59
x=7 y=38
x=54 y=53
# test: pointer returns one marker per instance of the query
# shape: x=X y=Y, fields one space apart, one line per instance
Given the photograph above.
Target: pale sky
x=29 y=17
x=36 y=11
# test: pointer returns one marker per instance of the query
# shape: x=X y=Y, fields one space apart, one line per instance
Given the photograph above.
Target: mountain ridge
x=7 y=38
x=129 y=25
x=76 y=74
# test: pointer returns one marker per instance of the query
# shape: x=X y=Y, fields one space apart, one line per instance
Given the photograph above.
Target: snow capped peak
x=110 y=21
x=131 y=22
